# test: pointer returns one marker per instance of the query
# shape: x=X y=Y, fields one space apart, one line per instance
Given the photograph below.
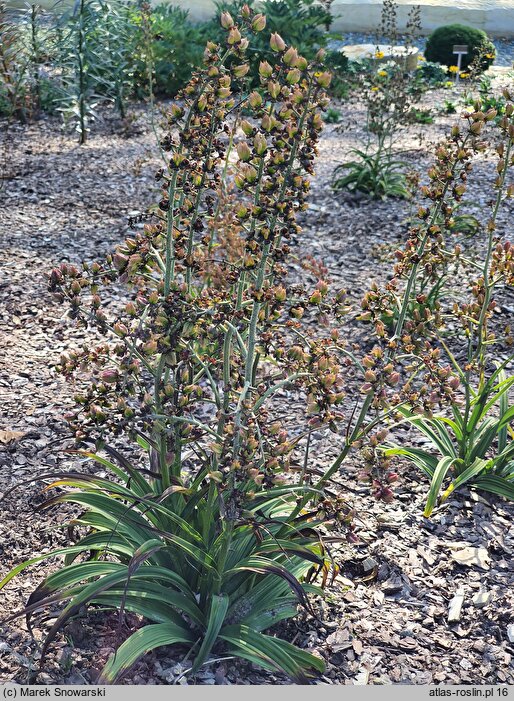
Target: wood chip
x=482 y=598
x=455 y=606
x=472 y=557
x=9 y=436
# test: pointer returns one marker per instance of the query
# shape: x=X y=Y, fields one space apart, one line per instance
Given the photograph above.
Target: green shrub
x=430 y=74
x=420 y=116
x=301 y=23
x=332 y=116
x=472 y=447
x=440 y=43
x=177 y=46
x=342 y=75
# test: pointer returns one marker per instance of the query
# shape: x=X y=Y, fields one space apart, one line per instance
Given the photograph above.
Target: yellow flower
x=382 y=74
x=490 y=55
x=453 y=69
x=379 y=54
x=464 y=75
x=449 y=84
x=421 y=58
x=374 y=88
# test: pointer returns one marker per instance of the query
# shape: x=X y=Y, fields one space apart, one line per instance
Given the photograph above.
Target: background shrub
x=440 y=44
x=342 y=73
x=177 y=45
x=431 y=73
x=303 y=24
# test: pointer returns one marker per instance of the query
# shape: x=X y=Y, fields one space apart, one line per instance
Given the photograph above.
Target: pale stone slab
x=400 y=54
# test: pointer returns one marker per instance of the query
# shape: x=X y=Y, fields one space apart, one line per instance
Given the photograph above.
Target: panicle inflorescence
x=208 y=296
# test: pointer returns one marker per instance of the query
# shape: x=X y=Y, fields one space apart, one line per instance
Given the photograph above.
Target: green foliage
x=343 y=73
x=97 y=51
x=80 y=50
x=332 y=116
x=429 y=75
x=301 y=23
x=162 y=555
x=473 y=447
x=488 y=99
x=389 y=96
x=12 y=69
x=376 y=174
x=449 y=107
x=24 y=43
x=464 y=223
x=439 y=46
x=118 y=41
x=420 y=116
x=177 y=48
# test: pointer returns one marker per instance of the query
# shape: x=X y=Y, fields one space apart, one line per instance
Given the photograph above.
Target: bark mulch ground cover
x=418 y=601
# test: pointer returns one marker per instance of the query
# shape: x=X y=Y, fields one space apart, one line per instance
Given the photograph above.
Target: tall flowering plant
x=207 y=533
x=461 y=407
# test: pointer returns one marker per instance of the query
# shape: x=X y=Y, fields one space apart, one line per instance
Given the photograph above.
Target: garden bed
x=385 y=618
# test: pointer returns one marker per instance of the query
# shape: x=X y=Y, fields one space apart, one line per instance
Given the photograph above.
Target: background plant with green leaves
x=440 y=43
x=304 y=24
x=26 y=40
x=474 y=446
x=390 y=96
x=80 y=57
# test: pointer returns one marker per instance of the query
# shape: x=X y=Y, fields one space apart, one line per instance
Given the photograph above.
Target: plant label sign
x=460 y=50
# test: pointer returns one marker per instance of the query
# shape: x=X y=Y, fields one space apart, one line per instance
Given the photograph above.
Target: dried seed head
x=290 y=57
x=265 y=70
x=234 y=36
x=258 y=23
x=226 y=20
x=243 y=151
x=241 y=71
x=276 y=42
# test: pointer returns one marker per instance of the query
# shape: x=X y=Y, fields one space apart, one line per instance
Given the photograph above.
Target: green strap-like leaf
x=504 y=406
x=478 y=466
x=271 y=653
x=496 y=485
x=217 y=614
x=424 y=460
x=439 y=474
x=142 y=641
x=264 y=566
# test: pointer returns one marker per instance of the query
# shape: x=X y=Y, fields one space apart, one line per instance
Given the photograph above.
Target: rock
x=510 y=632
x=406 y=55
x=378 y=598
x=409 y=644
x=357 y=647
x=482 y=598
x=455 y=606
x=426 y=555
x=472 y=557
